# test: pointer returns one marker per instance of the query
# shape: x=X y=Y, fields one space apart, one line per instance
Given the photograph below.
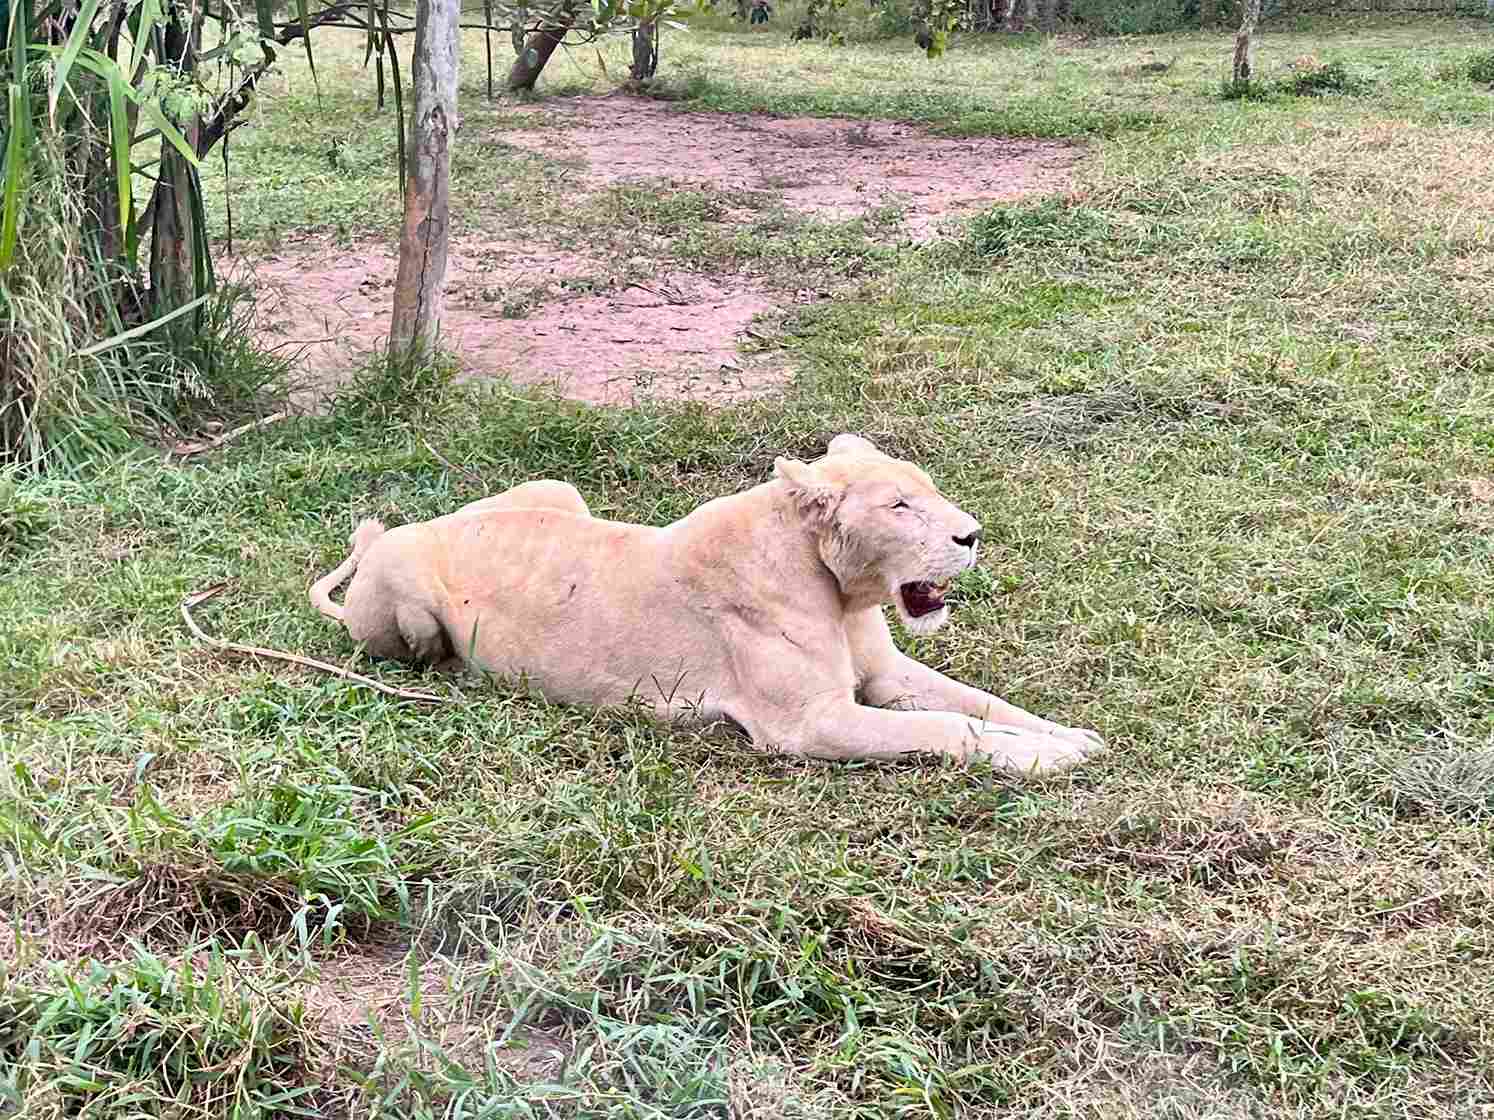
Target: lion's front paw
x=1082 y=737
x=1037 y=755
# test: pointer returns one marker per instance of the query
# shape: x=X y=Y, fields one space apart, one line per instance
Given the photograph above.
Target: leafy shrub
x=1250 y=89
x=1133 y=17
x=1309 y=78
x=1476 y=67
x=890 y=19
x=1331 y=77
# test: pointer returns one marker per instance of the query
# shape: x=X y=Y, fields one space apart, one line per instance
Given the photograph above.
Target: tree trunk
x=645 y=51
x=419 y=286
x=539 y=48
x=1248 y=19
x=173 y=279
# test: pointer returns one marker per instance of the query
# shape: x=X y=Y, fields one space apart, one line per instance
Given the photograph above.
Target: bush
x=1133 y=17
x=83 y=371
x=891 y=19
x=1477 y=67
x=1331 y=77
x=1232 y=89
x=1309 y=78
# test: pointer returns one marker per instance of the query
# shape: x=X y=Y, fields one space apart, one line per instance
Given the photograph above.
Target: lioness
x=763 y=608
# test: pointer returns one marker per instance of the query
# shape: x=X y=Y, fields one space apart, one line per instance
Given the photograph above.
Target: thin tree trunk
x=539 y=48
x=645 y=51
x=102 y=185
x=173 y=280
x=420 y=284
x=1243 y=40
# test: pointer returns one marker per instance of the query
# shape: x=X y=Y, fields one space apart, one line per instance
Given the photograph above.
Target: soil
x=363 y=998
x=678 y=337
x=829 y=168
x=546 y=316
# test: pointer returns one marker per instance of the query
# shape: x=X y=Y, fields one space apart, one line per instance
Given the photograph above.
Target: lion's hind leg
x=422 y=634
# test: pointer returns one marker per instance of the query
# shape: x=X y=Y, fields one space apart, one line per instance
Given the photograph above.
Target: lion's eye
x=899 y=504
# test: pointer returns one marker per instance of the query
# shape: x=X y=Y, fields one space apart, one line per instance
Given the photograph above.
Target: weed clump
x=149 y=1038
x=1308 y=78
x=77 y=380
x=1476 y=67
x=1450 y=780
x=1330 y=77
x=1134 y=17
x=1050 y=224
x=24 y=516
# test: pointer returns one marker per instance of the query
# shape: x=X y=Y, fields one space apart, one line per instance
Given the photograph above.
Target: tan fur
x=764 y=608
x=321 y=591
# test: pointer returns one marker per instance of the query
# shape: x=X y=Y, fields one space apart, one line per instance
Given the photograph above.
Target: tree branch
x=214 y=126
x=341 y=15
x=197 y=597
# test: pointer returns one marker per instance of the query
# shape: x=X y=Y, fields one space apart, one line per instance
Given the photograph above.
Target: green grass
x=1227 y=410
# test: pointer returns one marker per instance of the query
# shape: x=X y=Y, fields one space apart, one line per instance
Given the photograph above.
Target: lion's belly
x=585 y=611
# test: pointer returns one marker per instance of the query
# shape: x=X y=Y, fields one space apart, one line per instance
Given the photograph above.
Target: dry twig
x=199 y=597
x=471 y=476
x=182 y=450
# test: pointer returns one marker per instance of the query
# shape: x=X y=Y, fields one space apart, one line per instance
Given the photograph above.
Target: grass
x=1226 y=409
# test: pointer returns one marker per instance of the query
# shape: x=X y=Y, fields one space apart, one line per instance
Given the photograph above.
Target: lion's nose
x=969 y=539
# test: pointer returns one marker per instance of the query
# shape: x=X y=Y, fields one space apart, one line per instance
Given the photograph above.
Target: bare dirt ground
x=552 y=317
x=829 y=168
x=677 y=337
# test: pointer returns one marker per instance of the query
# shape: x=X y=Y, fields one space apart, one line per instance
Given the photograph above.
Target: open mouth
x=923 y=598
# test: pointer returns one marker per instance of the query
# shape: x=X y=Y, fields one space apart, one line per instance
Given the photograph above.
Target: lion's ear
x=846 y=442
x=801 y=476
x=812 y=490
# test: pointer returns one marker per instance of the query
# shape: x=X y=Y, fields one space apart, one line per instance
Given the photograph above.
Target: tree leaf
x=70 y=50
x=306 y=38
x=169 y=131
x=141 y=34
x=119 y=136
x=15 y=169
x=144 y=328
x=264 y=12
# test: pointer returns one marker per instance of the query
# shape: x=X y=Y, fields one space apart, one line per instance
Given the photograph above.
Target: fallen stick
x=185 y=449
x=199 y=597
x=471 y=476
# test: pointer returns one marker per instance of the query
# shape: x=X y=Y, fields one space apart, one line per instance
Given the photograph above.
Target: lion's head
x=884 y=530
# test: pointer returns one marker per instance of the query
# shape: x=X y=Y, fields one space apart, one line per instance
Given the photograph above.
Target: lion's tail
x=321 y=591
